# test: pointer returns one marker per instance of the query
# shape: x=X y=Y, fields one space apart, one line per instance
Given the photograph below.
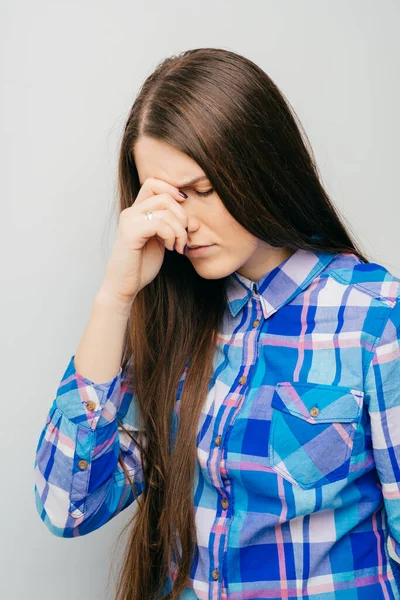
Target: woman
x=275 y=348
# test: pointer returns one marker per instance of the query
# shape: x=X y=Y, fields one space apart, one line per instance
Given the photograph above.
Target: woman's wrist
x=110 y=299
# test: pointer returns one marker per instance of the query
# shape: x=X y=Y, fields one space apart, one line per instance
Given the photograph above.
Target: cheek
x=229 y=225
x=238 y=234
x=231 y=233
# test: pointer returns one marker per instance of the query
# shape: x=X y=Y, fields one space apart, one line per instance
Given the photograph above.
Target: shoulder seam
x=364 y=289
x=379 y=337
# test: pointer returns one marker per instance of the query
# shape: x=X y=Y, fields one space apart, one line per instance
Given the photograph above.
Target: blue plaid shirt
x=297 y=487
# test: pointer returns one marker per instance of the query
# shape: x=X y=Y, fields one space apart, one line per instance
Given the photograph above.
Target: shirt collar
x=281 y=284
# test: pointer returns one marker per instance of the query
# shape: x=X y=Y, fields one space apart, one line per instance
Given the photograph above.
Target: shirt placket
x=218 y=472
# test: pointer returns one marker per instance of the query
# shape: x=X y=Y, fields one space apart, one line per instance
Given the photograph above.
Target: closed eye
x=207 y=193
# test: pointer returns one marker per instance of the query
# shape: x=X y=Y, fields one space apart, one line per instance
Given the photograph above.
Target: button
x=218 y=440
x=314 y=411
x=224 y=503
x=215 y=574
x=91 y=405
x=83 y=464
x=256 y=323
x=243 y=380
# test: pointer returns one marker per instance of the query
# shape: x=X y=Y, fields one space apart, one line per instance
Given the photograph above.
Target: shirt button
x=224 y=503
x=83 y=464
x=91 y=405
x=218 y=440
x=314 y=411
x=243 y=380
x=215 y=574
x=256 y=323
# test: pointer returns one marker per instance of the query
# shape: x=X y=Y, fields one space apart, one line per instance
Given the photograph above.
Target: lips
x=199 y=250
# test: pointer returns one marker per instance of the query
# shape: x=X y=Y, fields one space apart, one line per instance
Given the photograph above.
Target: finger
x=163 y=230
x=164 y=201
x=179 y=237
x=154 y=186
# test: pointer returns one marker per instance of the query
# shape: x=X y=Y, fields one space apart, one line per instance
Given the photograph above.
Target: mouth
x=199 y=250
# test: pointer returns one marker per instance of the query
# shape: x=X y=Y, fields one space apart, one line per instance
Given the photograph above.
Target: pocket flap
x=318 y=402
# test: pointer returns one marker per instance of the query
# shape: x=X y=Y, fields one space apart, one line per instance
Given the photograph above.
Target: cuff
x=86 y=403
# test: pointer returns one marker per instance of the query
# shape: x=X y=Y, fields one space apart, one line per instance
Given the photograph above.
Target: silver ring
x=148 y=215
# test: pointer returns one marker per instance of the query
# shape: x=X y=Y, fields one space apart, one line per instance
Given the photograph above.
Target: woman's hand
x=139 y=247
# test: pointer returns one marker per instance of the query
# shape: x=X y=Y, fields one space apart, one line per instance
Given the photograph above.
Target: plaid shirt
x=297 y=487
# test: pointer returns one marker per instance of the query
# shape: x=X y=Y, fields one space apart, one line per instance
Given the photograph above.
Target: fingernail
x=183 y=194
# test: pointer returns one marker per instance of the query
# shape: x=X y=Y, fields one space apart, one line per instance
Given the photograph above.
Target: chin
x=212 y=270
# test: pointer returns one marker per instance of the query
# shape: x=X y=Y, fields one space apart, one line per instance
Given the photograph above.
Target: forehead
x=156 y=158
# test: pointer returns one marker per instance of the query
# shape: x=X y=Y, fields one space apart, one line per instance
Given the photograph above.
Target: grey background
x=70 y=71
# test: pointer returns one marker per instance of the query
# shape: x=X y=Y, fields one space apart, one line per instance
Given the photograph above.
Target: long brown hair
x=227 y=114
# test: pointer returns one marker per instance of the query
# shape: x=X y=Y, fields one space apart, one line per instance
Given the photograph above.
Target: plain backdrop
x=70 y=72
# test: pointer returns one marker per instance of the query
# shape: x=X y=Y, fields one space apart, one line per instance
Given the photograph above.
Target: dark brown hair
x=226 y=113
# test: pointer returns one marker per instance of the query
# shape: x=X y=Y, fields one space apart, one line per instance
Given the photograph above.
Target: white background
x=70 y=72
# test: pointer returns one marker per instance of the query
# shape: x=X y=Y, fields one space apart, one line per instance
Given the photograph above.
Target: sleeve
x=382 y=391
x=78 y=482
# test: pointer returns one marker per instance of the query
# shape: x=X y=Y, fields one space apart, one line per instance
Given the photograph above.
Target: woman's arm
x=99 y=353
x=79 y=484
x=382 y=391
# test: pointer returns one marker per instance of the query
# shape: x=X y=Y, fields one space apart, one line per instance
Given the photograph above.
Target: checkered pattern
x=297 y=481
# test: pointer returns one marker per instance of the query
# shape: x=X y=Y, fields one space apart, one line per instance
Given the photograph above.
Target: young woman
x=244 y=395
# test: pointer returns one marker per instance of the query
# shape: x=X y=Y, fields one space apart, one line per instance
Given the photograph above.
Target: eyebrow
x=192 y=181
x=189 y=183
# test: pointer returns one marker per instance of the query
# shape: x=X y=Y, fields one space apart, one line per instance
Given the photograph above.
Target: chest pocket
x=312 y=432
